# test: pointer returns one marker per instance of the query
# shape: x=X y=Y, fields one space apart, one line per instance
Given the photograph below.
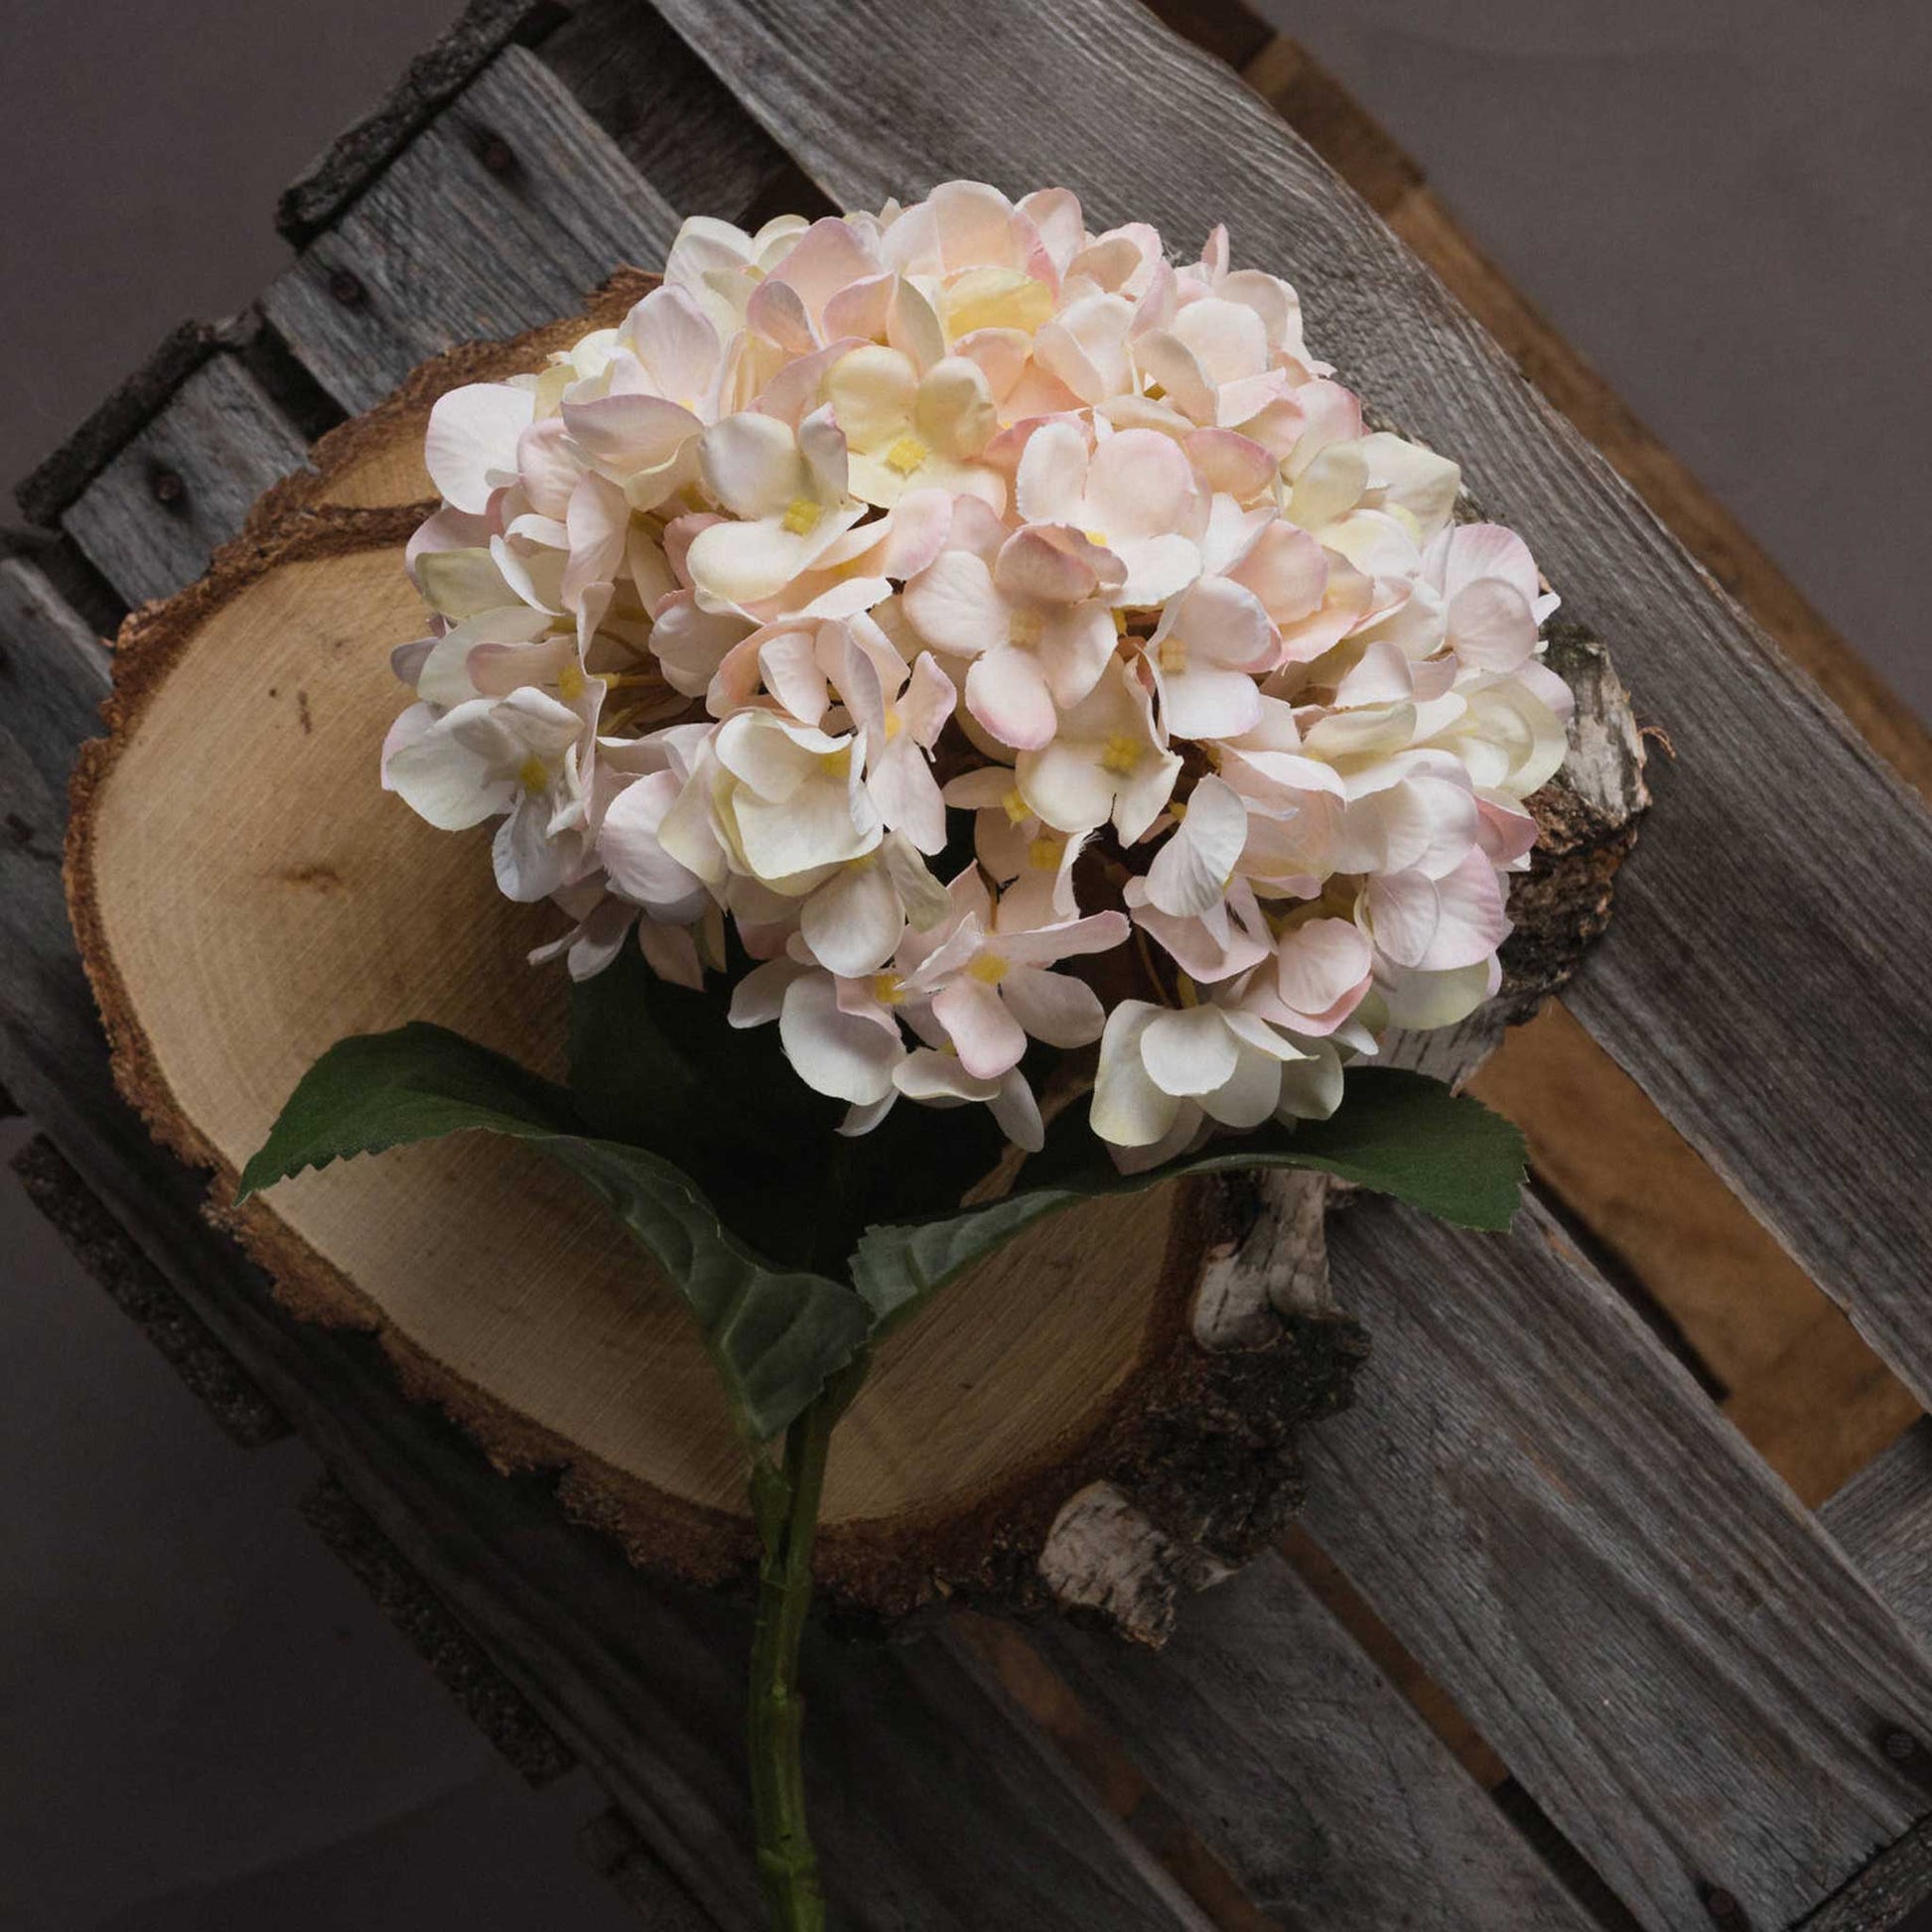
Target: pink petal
x=988 y=1038
x=1005 y=690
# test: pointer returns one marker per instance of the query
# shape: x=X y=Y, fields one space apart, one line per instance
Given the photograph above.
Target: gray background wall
x=203 y=1723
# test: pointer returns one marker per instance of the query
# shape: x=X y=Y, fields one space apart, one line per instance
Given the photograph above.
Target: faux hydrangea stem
x=785 y=1505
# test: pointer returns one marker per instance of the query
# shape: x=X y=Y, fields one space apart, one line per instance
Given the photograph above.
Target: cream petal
x=1128 y=1109
x=1191 y=870
x=471 y=444
x=1142 y=486
x=1049 y=486
x=1312 y=1088
x=871 y=392
x=1491 y=625
x=854 y=922
x=1053 y=1007
x=1322 y=970
x=834 y=1052
x=1189 y=1053
x=952 y=604
x=750 y=464
x=1251 y=1093
x=674 y=340
x=1007 y=691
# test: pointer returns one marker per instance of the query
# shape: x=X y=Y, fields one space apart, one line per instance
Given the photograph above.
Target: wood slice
x=1104 y=1414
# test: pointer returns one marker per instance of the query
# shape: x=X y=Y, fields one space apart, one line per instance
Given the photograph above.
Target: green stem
x=785 y=1505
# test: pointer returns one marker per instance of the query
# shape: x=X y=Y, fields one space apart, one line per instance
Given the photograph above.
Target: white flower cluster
x=961 y=506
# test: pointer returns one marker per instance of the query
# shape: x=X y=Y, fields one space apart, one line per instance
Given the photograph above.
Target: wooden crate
x=1559 y=1646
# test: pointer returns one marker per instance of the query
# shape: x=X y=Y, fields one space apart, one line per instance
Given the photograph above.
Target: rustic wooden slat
x=439 y=73
x=1795 y=1376
x=1889 y=1895
x=1307 y=1773
x=500 y=215
x=1683 y=1671
x=665 y=109
x=941 y=1812
x=49 y=715
x=1727 y=977
x=1883 y=1519
x=64 y=473
x=183 y=484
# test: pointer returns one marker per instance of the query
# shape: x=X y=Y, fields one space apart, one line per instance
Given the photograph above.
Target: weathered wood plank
x=438 y=74
x=1725 y=980
x=1680 y=1667
x=64 y=473
x=1307 y=1773
x=183 y=484
x=665 y=111
x=1889 y=1895
x=500 y=215
x=1883 y=1519
x=49 y=715
x=940 y=1814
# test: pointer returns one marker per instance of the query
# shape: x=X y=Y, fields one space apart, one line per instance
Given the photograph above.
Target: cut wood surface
x=1724 y=986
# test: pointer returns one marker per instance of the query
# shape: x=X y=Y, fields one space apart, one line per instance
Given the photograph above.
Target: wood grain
x=1797 y=1378
x=495 y=219
x=1724 y=984
x=439 y=72
x=47 y=715
x=1883 y=1519
x=1680 y=1667
x=666 y=111
x=1307 y=1773
x=182 y=486
x=641 y=1681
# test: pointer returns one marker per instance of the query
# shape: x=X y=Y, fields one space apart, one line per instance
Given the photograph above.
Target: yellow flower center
x=1098 y=537
x=1025 y=629
x=531 y=775
x=836 y=764
x=1043 y=855
x=1017 y=809
x=988 y=968
x=889 y=989
x=569 y=684
x=1122 y=755
x=1173 y=656
x=894 y=724
x=1120 y=622
x=801 y=516
x=906 y=455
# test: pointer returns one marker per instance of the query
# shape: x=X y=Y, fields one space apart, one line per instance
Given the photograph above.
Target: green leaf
x=1396 y=1133
x=773 y=1335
